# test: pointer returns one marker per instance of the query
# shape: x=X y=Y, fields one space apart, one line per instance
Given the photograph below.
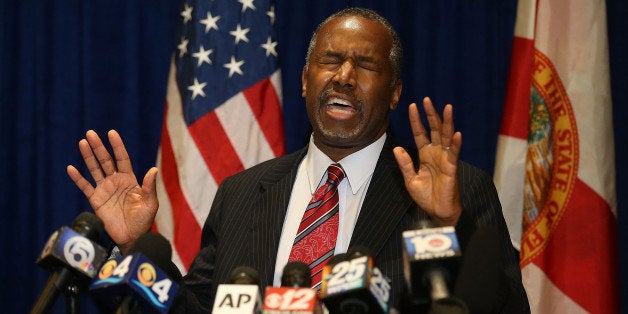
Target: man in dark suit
x=350 y=82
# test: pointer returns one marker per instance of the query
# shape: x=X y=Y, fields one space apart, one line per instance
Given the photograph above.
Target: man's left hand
x=434 y=187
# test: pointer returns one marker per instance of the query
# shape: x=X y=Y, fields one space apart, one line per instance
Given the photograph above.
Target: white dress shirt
x=358 y=168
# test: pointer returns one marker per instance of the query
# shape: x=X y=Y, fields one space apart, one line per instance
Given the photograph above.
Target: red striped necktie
x=316 y=237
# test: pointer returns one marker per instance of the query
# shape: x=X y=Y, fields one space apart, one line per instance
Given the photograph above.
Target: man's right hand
x=126 y=208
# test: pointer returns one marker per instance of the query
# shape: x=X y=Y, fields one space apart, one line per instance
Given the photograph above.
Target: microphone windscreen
x=296 y=274
x=157 y=249
x=337 y=259
x=479 y=276
x=88 y=225
x=244 y=275
x=153 y=245
x=358 y=251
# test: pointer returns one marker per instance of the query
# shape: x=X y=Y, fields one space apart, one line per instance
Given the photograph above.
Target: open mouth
x=340 y=108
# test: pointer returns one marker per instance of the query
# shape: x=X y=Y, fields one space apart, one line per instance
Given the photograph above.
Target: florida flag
x=223 y=112
x=554 y=169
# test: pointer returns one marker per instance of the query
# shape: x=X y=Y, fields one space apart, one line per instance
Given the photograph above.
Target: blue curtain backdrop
x=68 y=66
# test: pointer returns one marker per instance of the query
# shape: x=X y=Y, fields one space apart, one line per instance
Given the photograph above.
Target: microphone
x=241 y=294
x=431 y=256
x=294 y=295
x=296 y=274
x=72 y=256
x=478 y=283
x=145 y=280
x=354 y=285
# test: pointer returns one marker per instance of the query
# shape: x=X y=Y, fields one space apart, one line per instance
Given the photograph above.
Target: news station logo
x=432 y=243
x=283 y=300
x=107 y=269
x=346 y=275
x=138 y=273
x=237 y=298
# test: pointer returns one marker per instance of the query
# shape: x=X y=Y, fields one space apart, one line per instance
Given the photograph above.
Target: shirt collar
x=358 y=166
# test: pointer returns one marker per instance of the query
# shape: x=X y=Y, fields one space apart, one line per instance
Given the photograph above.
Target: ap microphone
x=430 y=261
x=241 y=294
x=145 y=280
x=294 y=295
x=354 y=285
x=72 y=256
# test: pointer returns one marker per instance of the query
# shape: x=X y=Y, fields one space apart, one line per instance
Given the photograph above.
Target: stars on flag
x=234 y=66
x=203 y=56
x=197 y=88
x=231 y=43
x=210 y=22
x=183 y=47
x=187 y=14
x=271 y=14
x=270 y=47
x=240 y=34
x=247 y=4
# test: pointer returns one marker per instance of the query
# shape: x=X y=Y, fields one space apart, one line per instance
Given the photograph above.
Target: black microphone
x=431 y=258
x=73 y=257
x=157 y=248
x=354 y=285
x=479 y=278
x=296 y=274
x=295 y=294
x=243 y=275
x=241 y=294
x=143 y=281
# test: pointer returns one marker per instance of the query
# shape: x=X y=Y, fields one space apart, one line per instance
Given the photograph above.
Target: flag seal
x=552 y=157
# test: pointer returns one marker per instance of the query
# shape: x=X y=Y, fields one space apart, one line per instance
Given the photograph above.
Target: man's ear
x=396 y=94
x=304 y=81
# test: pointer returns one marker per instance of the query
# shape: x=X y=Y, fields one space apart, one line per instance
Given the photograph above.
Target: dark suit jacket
x=246 y=218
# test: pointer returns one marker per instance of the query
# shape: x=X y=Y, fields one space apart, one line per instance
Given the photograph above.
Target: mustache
x=324 y=95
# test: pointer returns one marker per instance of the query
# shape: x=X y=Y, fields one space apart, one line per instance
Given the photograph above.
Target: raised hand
x=126 y=208
x=435 y=186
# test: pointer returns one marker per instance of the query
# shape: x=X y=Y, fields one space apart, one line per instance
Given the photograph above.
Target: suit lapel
x=385 y=204
x=275 y=189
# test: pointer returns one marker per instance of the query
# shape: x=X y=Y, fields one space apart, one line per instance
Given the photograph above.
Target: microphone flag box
x=237 y=299
x=286 y=300
x=135 y=276
x=354 y=283
x=426 y=248
x=67 y=247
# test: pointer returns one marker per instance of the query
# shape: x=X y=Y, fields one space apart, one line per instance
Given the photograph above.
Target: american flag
x=223 y=112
